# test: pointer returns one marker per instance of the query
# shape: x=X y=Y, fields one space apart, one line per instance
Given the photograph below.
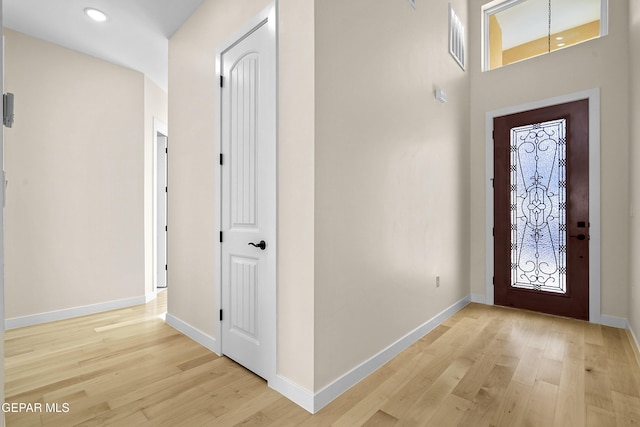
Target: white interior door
x=161 y=210
x=248 y=217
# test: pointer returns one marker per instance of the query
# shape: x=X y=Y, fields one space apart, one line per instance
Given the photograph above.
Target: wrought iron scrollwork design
x=538 y=206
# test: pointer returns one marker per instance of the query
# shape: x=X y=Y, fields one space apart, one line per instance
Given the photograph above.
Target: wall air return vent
x=456 y=37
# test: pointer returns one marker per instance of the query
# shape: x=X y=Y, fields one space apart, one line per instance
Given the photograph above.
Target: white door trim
x=268 y=16
x=159 y=127
x=594 y=191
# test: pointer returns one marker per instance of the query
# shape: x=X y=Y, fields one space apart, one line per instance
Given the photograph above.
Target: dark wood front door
x=541 y=210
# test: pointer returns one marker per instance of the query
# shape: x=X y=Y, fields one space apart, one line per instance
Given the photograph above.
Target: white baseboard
x=194 y=333
x=614 y=322
x=150 y=296
x=52 y=316
x=478 y=298
x=635 y=338
x=636 y=351
x=298 y=395
x=314 y=402
x=357 y=374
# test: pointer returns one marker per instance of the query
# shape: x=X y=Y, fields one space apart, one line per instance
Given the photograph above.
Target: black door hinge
x=165 y=268
x=166 y=228
x=221 y=237
x=221 y=315
x=221 y=80
x=166 y=189
x=493 y=231
x=221 y=159
x=493 y=134
x=166 y=150
x=493 y=280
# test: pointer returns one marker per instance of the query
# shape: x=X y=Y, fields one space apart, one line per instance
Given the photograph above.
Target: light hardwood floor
x=485 y=366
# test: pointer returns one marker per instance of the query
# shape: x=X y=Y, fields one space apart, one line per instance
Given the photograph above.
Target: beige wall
x=634 y=95
x=392 y=185
x=156 y=106
x=601 y=63
x=74 y=214
x=193 y=236
x=296 y=191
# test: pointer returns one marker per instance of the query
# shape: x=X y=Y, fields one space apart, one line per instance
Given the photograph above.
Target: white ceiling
x=135 y=36
x=529 y=20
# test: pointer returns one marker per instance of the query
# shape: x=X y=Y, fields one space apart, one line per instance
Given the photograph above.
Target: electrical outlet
x=437 y=281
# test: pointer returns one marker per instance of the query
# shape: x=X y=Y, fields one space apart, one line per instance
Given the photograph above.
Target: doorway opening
x=160 y=227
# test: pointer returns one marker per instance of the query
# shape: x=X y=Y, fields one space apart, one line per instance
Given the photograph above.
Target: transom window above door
x=515 y=30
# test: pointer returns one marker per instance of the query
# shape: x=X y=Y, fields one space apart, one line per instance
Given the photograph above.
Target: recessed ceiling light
x=559 y=38
x=560 y=44
x=96 y=14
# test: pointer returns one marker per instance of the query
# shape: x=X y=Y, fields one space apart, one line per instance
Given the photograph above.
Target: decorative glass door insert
x=538 y=206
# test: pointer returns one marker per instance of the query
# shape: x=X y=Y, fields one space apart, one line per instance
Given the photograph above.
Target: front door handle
x=262 y=245
x=580 y=236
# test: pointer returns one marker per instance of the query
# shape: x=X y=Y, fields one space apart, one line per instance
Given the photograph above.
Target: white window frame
x=496 y=6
